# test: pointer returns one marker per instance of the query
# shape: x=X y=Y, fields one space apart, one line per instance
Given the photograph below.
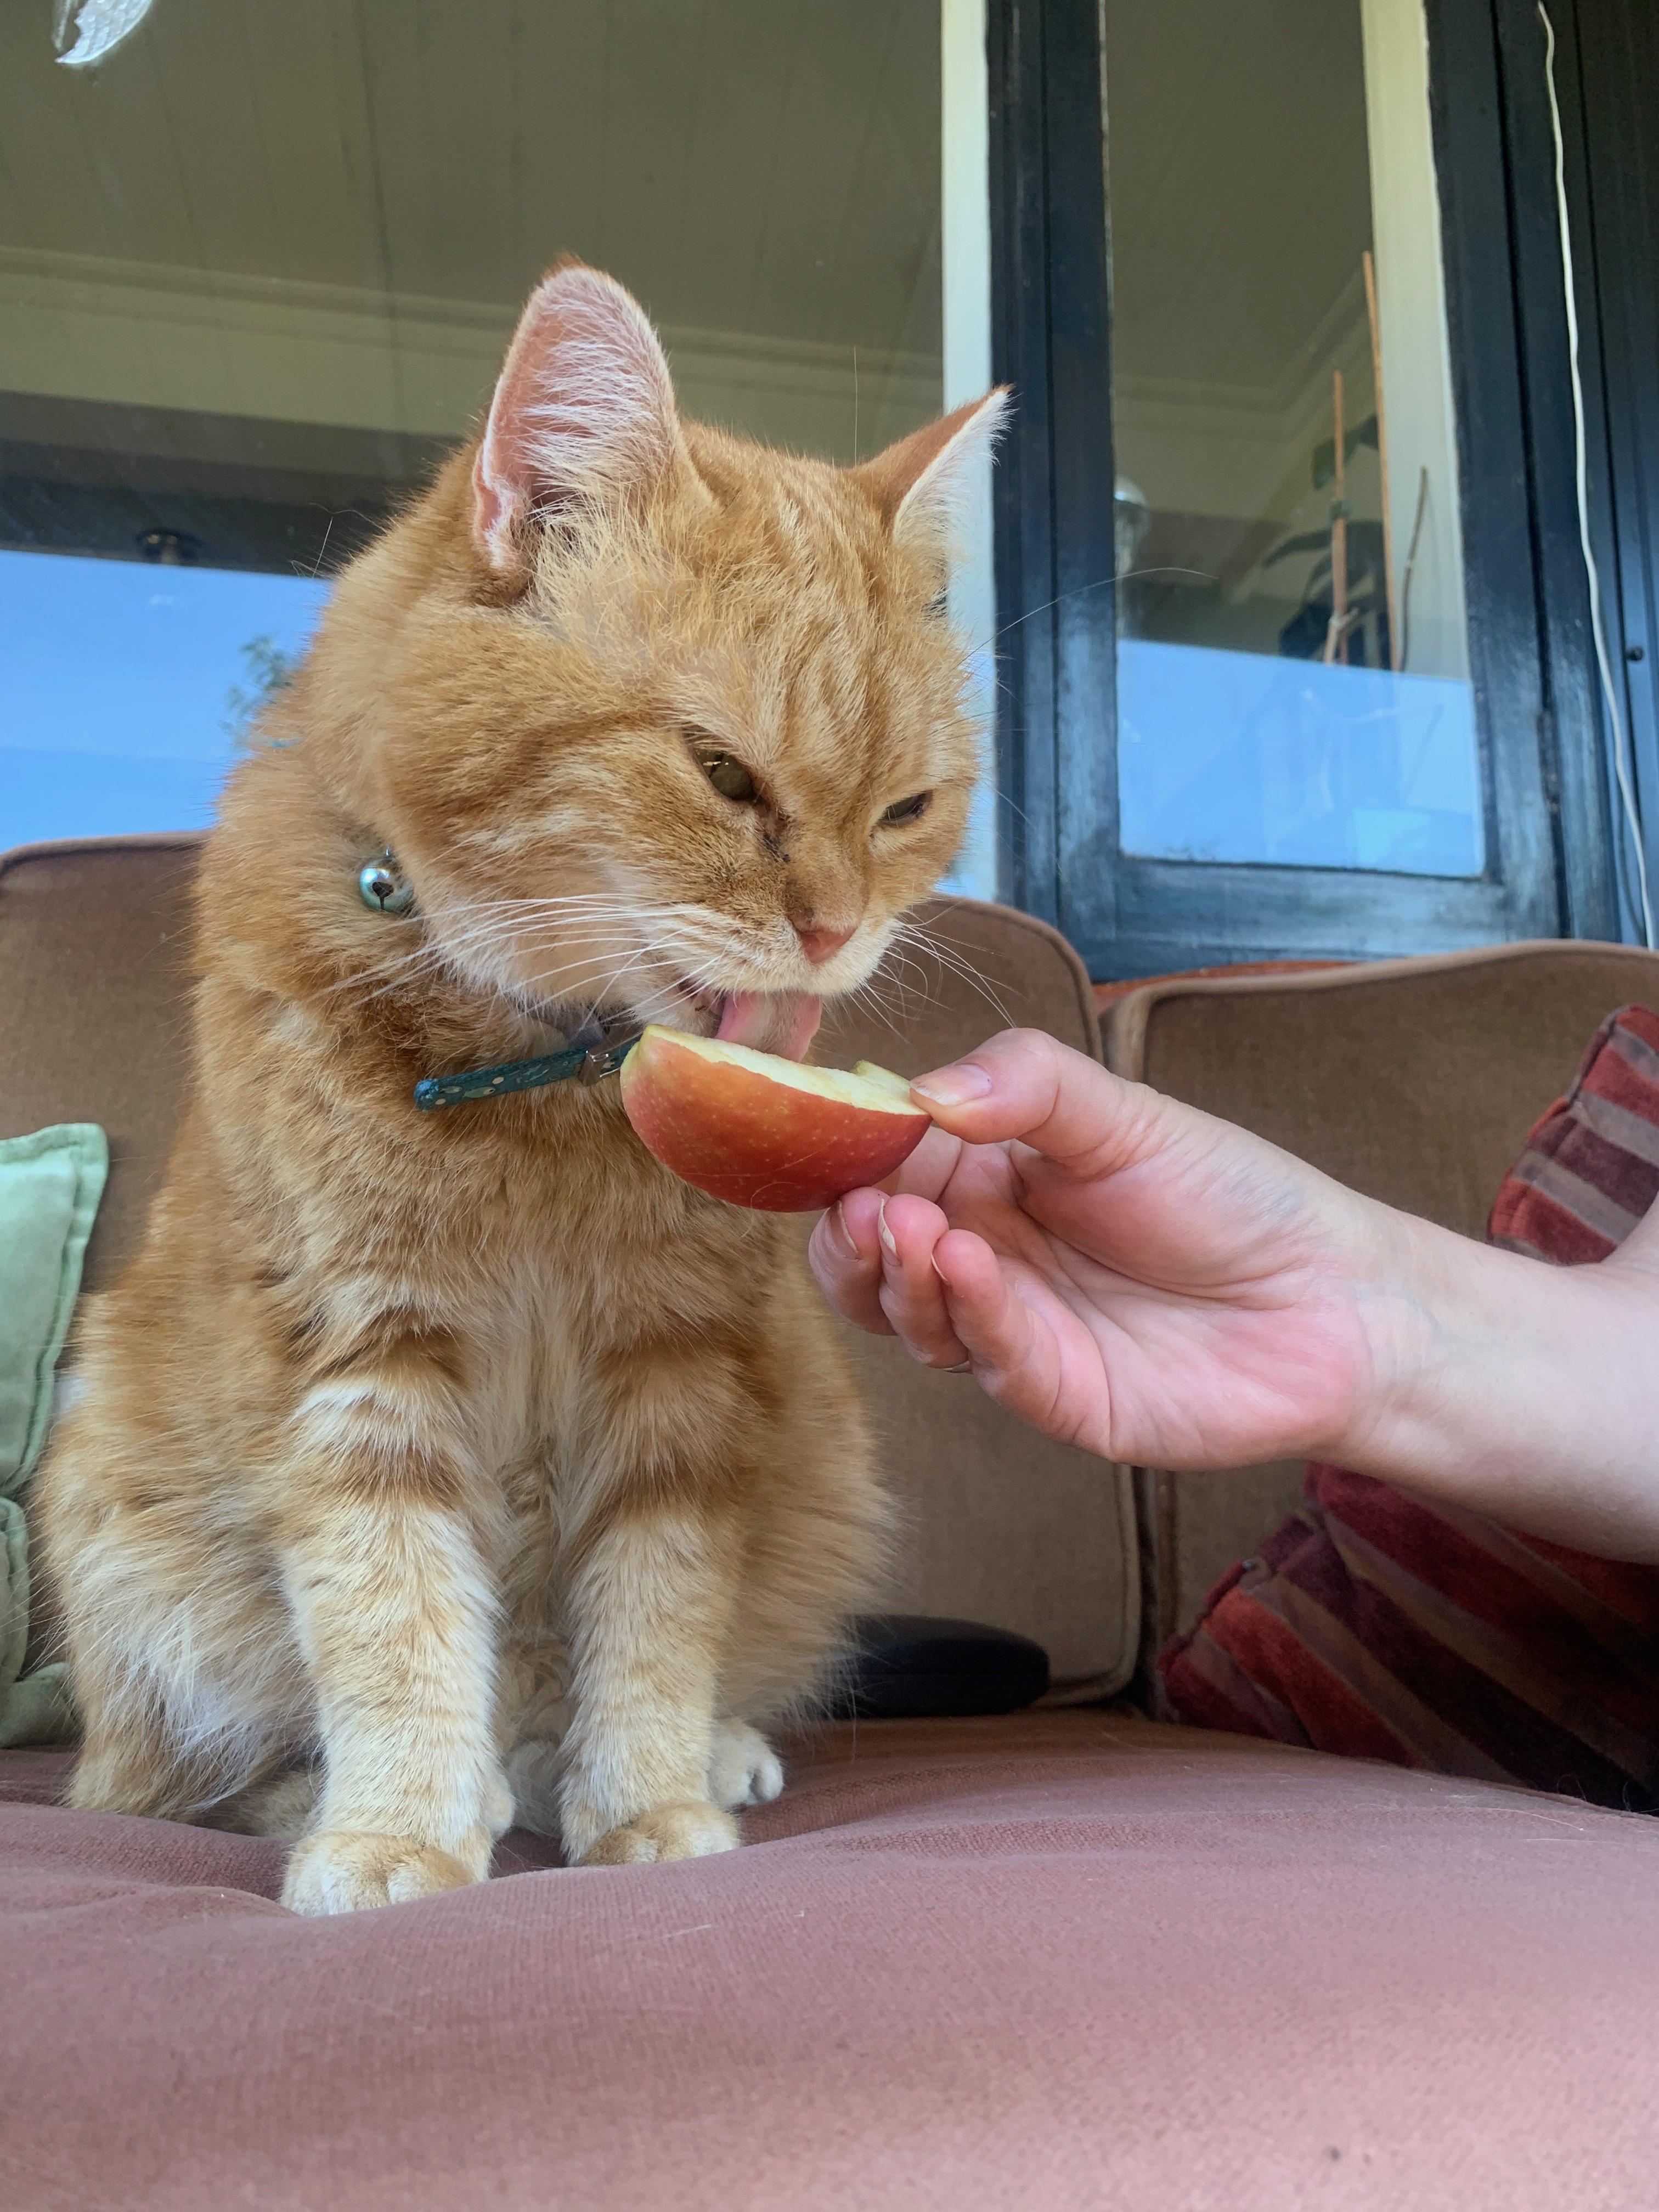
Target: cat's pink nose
x=820 y=944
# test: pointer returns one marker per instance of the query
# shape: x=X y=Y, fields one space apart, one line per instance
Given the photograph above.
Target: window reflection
x=1293 y=677
x=258 y=266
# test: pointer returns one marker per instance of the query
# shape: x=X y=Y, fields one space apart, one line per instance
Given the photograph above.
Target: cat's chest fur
x=596 y=1271
x=611 y=1303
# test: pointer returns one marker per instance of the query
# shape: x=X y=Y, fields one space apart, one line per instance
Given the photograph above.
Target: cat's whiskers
x=950 y=953
x=866 y=994
x=440 y=959
x=946 y=961
x=600 y=994
x=891 y=973
x=947 y=957
x=934 y=933
x=430 y=952
x=487 y=944
x=670 y=935
x=505 y=927
x=894 y=976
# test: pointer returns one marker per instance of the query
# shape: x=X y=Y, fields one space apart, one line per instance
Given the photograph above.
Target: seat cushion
x=1372 y=1623
x=1059 y=1961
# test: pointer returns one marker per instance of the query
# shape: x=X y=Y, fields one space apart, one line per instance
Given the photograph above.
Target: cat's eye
x=729 y=777
x=907 y=810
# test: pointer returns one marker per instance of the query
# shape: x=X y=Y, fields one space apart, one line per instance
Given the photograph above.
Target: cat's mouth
x=783 y=1022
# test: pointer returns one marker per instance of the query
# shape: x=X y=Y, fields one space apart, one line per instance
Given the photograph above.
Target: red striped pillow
x=1375 y=1625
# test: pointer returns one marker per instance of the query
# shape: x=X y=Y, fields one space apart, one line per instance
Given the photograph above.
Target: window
x=259 y=265
x=1293 y=663
x=1275 y=683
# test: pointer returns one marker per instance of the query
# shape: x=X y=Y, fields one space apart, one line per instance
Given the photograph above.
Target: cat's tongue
x=784 y=1021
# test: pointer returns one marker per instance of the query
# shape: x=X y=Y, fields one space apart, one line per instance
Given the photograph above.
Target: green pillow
x=50 y=1185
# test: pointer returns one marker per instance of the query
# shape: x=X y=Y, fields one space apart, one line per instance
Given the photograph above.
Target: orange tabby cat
x=466 y=1460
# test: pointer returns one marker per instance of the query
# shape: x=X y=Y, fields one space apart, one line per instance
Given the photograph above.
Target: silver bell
x=381 y=886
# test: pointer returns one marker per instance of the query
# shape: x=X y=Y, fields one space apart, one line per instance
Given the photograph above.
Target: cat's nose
x=821 y=942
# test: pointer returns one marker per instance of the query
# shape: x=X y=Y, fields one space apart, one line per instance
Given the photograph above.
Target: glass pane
x=258 y=267
x=1293 y=663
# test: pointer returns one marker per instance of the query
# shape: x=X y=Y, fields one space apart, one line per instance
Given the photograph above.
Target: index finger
x=1026 y=1086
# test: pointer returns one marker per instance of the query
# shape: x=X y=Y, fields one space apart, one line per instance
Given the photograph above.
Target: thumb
x=1024 y=1085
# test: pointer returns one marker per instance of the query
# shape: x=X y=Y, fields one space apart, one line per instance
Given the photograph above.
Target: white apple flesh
x=762 y=1131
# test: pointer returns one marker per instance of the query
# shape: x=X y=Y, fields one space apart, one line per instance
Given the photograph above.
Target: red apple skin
x=721 y=1120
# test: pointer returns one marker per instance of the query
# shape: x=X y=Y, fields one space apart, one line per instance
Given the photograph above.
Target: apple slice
x=896 y=1086
x=759 y=1131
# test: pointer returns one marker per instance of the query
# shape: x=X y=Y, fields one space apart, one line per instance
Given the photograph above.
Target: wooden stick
x=1336 y=636
x=1370 y=268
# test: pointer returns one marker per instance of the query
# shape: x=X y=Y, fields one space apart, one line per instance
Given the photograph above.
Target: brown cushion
x=94 y=951
x=1003 y=1527
x=1107 y=994
x=1413 y=1080
x=1373 y=1624
x=1057 y=1962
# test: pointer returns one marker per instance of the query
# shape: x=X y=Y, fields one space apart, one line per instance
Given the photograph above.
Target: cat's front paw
x=743 y=1769
x=666 y=1831
x=345 y=1870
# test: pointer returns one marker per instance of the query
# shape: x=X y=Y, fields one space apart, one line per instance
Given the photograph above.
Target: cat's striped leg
x=395 y=1615
x=131 y=1760
x=184 y=1670
x=649 y=1606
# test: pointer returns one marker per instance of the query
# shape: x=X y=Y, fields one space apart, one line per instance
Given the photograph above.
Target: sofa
x=1061 y=1957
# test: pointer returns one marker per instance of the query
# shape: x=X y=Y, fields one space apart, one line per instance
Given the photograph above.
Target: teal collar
x=589 y=1063
x=590 y=1056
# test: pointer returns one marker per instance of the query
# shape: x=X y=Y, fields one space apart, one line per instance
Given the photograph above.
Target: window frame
x=1548 y=866
x=1606 y=69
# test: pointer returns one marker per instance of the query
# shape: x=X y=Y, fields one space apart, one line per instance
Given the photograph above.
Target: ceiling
x=767 y=168
x=326 y=212
x=756 y=170
x=1240 y=187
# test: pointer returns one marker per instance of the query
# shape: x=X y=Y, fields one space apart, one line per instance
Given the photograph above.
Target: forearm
x=1522 y=1391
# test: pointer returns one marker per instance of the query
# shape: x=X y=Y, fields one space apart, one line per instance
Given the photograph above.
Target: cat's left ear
x=583 y=411
x=924 y=484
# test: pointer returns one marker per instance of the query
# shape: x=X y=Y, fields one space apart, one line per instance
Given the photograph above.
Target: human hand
x=1125 y=1272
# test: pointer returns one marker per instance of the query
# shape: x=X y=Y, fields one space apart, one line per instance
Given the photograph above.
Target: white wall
x=966 y=213
x=1411 y=317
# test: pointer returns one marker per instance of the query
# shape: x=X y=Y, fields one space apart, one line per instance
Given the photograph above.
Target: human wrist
x=1470 y=1352
x=1410 y=1296
x=1511 y=1387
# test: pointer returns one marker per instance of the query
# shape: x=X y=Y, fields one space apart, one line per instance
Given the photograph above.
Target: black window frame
x=1550 y=858
x=1607 y=70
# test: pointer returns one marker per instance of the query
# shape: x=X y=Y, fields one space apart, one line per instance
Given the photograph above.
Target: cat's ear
x=583 y=411
x=924 y=484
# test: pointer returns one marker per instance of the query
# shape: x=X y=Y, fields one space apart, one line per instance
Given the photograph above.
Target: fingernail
x=884 y=1231
x=954 y=1087
x=838 y=1228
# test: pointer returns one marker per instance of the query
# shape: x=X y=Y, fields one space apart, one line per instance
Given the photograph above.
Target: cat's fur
x=466 y=1457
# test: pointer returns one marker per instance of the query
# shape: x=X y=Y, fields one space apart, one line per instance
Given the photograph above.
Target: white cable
x=1621 y=765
